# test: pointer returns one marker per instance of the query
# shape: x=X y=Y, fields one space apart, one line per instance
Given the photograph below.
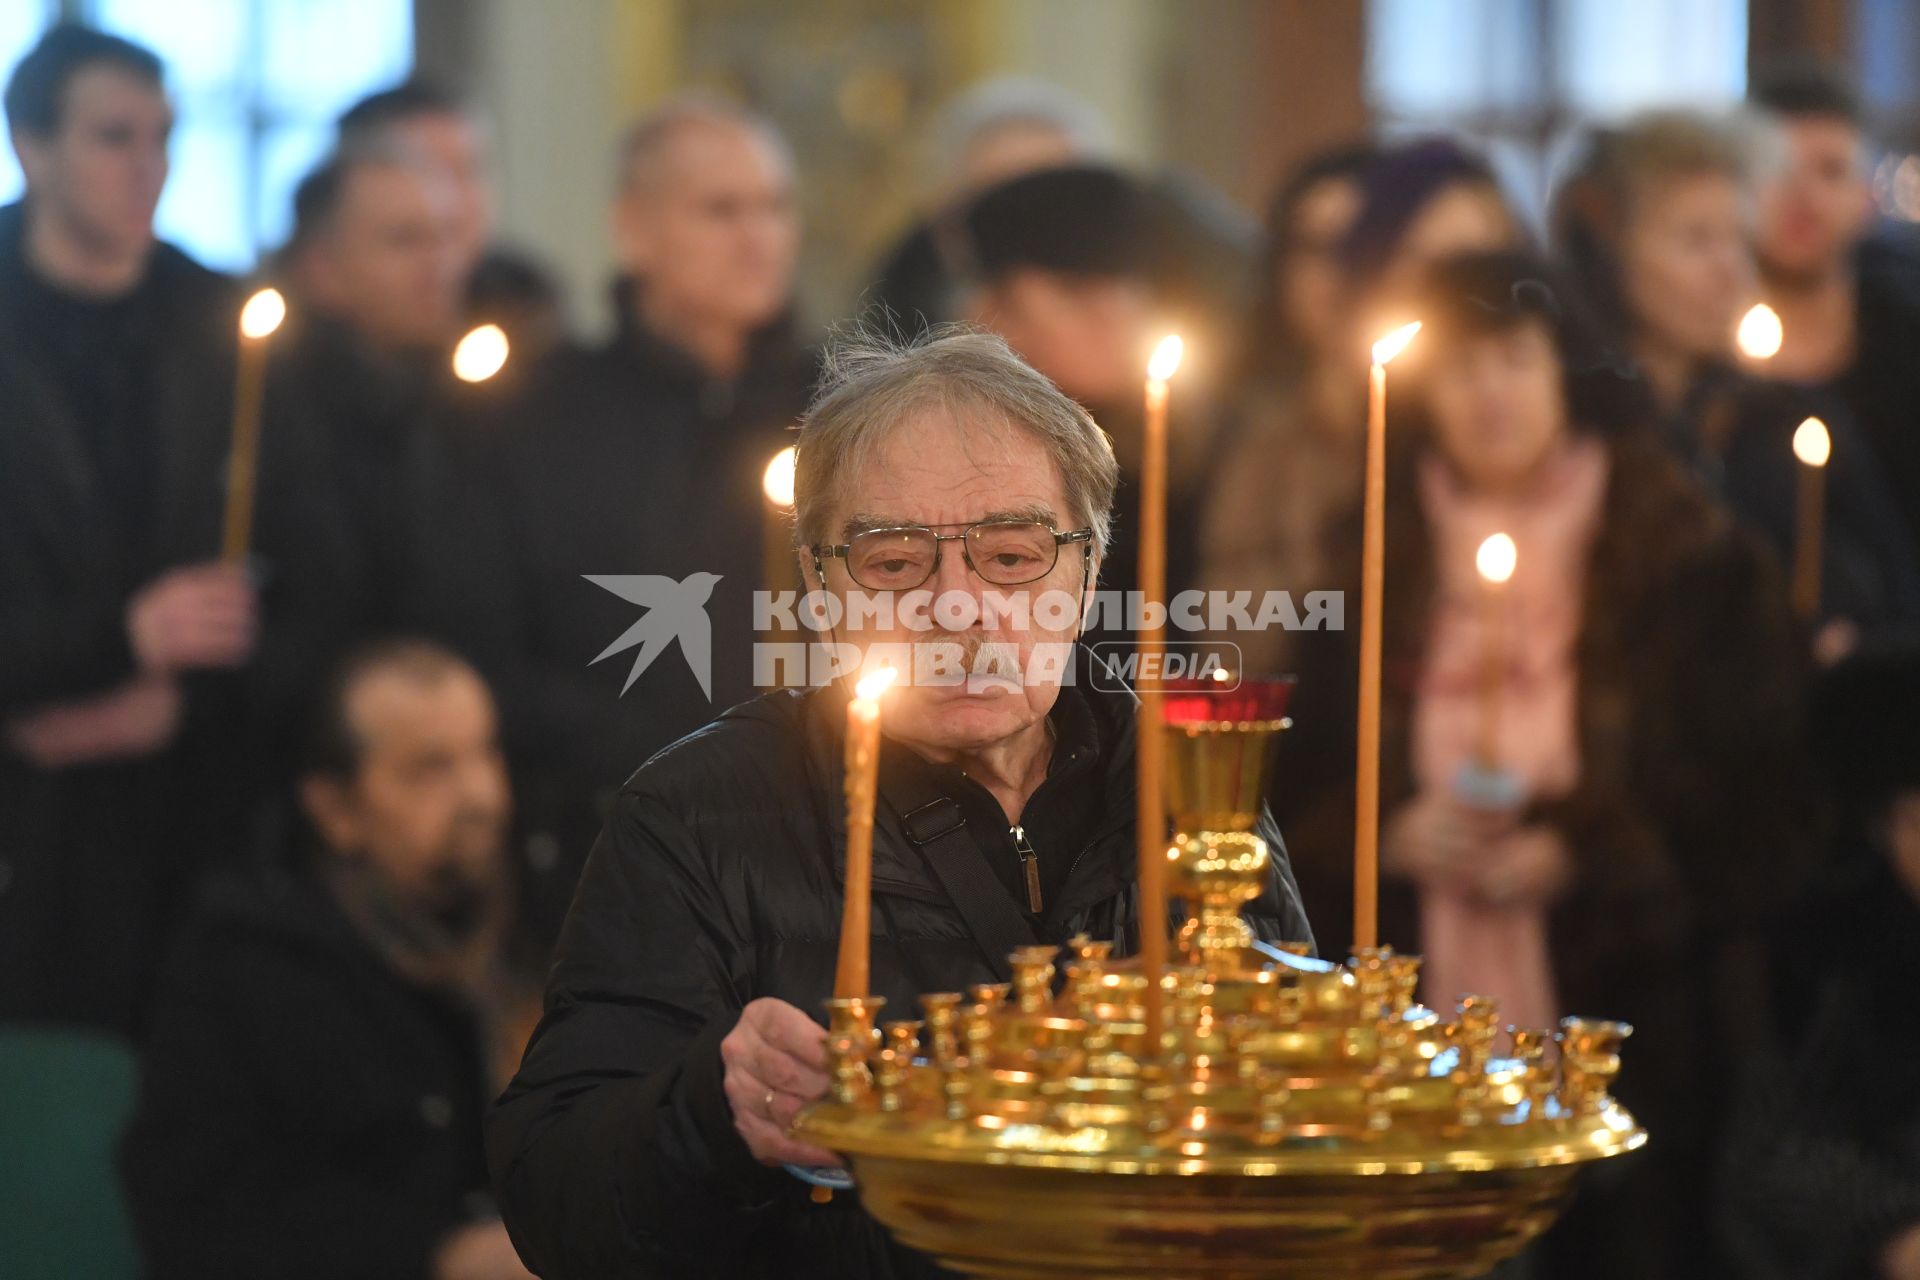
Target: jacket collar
x=1102 y=867
x=771 y=350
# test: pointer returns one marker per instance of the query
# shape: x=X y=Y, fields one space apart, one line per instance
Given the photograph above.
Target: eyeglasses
x=1006 y=553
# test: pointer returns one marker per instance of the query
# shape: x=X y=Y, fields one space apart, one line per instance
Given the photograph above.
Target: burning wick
x=1760 y=333
x=777 y=481
x=481 y=354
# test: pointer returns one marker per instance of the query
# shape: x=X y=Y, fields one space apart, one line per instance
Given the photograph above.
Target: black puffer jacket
x=716 y=882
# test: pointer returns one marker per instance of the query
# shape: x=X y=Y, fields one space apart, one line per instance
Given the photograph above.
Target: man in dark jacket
x=646 y=454
x=644 y=1132
x=1849 y=300
x=116 y=367
x=326 y=1039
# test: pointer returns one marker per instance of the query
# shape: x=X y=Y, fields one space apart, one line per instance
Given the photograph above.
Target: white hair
x=873 y=383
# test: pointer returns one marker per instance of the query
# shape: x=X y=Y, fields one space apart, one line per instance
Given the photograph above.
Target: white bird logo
x=675 y=610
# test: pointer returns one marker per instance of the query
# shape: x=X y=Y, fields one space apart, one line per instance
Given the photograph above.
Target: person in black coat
x=644 y=454
x=326 y=1038
x=121 y=712
x=361 y=378
x=1848 y=299
x=1824 y=1182
x=644 y=1132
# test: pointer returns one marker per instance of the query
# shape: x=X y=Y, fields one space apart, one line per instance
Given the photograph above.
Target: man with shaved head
x=644 y=454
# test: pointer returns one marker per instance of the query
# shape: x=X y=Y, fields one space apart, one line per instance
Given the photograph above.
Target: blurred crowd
x=285 y=835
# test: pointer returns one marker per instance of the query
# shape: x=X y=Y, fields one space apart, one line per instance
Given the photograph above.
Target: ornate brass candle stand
x=1299 y=1118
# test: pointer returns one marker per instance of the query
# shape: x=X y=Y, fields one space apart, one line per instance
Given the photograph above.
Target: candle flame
x=481 y=354
x=1394 y=343
x=777 y=481
x=875 y=683
x=1811 y=443
x=1166 y=358
x=1496 y=558
x=1760 y=333
x=262 y=314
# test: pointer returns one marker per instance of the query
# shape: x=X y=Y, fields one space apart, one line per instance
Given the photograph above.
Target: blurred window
x=1520 y=76
x=256 y=84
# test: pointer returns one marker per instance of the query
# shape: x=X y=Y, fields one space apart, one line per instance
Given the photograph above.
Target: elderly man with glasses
x=954 y=504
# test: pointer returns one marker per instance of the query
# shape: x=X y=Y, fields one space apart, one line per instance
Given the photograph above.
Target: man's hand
x=198 y=616
x=479 y=1252
x=136 y=719
x=776 y=1063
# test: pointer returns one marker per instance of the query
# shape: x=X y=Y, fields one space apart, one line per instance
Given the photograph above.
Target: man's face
x=946 y=472
x=101 y=171
x=1087 y=333
x=387 y=265
x=709 y=225
x=456 y=145
x=1817 y=205
x=428 y=809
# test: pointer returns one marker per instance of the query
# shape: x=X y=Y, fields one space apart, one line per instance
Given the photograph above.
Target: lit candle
x=850 y=975
x=777 y=565
x=260 y=316
x=1495 y=560
x=481 y=354
x=1150 y=811
x=1760 y=333
x=1812 y=446
x=1366 y=789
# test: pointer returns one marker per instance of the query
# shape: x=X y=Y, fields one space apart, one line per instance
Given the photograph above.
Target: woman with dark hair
x=1655 y=220
x=1610 y=842
x=1345 y=234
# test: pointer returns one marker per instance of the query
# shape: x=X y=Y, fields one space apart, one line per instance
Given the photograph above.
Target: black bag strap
x=938 y=829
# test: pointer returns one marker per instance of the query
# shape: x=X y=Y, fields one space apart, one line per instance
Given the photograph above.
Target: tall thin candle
x=258 y=319
x=1495 y=562
x=1150 y=813
x=851 y=976
x=1366 y=805
x=1812 y=445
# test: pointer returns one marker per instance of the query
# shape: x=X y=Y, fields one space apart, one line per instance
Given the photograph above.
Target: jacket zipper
x=1029 y=865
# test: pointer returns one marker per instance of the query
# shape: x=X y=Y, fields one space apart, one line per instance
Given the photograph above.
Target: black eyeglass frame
x=843 y=551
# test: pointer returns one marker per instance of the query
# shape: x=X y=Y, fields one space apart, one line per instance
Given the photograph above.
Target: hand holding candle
x=851 y=976
x=1366 y=789
x=258 y=319
x=1812 y=445
x=1150 y=811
